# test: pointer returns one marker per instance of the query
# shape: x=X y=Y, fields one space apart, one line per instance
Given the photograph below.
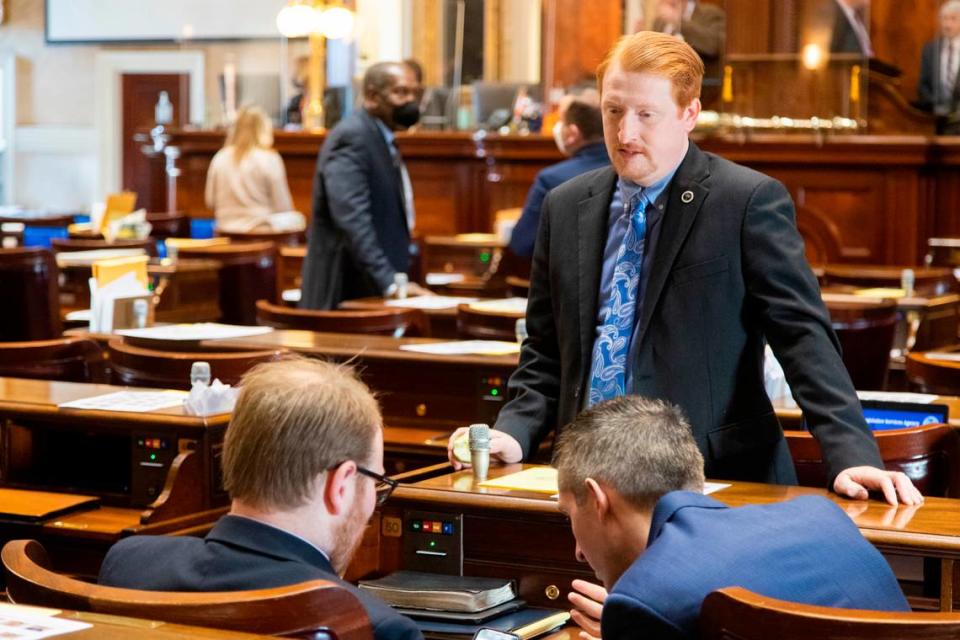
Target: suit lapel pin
x=686 y=197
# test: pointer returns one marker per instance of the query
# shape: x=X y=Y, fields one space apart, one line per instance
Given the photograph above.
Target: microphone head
x=479 y=436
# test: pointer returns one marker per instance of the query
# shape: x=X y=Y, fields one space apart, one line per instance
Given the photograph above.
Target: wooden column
x=576 y=38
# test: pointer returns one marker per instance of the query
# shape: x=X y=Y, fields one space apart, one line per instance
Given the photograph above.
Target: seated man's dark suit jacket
x=930 y=89
x=804 y=550
x=729 y=271
x=358 y=236
x=238 y=554
x=590 y=157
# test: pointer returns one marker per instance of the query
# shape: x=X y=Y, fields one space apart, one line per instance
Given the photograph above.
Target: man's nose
x=630 y=129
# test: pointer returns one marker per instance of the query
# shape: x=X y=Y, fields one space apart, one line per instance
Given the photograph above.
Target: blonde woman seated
x=247 y=184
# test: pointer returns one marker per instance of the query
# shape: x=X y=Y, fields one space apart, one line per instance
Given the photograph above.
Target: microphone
x=480 y=451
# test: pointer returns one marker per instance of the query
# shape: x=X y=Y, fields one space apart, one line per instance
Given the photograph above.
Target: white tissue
x=210 y=400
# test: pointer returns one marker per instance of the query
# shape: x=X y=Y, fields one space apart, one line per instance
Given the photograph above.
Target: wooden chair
x=63 y=245
x=169 y=225
x=478 y=324
x=943 y=252
x=315 y=609
x=30 y=293
x=279 y=238
x=518 y=287
x=248 y=272
x=141 y=367
x=69 y=359
x=866 y=331
x=735 y=613
x=289 y=267
x=930 y=375
x=387 y=321
x=927 y=454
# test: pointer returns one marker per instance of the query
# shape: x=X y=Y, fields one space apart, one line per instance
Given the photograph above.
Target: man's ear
x=573 y=134
x=339 y=487
x=597 y=498
x=690 y=114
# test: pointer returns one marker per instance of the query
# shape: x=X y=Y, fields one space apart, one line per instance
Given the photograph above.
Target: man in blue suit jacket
x=302 y=460
x=631 y=481
x=579 y=135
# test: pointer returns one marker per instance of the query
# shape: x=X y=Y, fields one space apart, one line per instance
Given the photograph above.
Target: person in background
x=579 y=136
x=700 y=24
x=362 y=197
x=303 y=463
x=938 y=89
x=631 y=482
x=247 y=183
x=850 y=31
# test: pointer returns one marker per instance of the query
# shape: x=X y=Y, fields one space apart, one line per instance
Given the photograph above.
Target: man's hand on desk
x=857 y=482
x=587 y=600
x=503 y=447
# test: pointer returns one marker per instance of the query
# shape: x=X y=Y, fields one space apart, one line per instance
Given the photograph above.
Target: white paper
x=949 y=356
x=503 y=305
x=80 y=315
x=291 y=295
x=440 y=279
x=713 y=487
x=103 y=299
x=464 y=347
x=196 y=331
x=30 y=623
x=87 y=258
x=897 y=396
x=135 y=401
x=430 y=302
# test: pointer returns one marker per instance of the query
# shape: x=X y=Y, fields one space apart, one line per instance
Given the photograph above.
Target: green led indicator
x=494 y=392
x=433 y=543
x=153 y=456
x=485 y=256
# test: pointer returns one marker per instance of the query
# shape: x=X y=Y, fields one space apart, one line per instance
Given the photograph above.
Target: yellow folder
x=191 y=243
x=106 y=271
x=118 y=205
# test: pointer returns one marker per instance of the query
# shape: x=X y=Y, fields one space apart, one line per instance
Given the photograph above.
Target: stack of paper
x=430 y=302
x=127 y=290
x=175 y=244
x=465 y=348
x=195 y=332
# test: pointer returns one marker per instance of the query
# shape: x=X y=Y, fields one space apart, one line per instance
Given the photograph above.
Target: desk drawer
x=544 y=542
x=539 y=587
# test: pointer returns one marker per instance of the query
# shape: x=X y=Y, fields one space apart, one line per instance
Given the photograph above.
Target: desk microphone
x=480 y=451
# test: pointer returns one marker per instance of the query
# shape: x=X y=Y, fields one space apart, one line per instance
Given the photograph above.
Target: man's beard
x=347 y=538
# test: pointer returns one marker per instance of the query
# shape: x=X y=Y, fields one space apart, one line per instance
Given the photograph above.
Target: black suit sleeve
x=783 y=292
x=926 y=86
x=346 y=183
x=535 y=386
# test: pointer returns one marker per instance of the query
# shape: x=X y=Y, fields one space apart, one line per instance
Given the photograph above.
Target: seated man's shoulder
x=130 y=559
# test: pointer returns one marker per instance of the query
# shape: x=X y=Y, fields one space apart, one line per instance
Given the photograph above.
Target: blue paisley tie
x=612 y=344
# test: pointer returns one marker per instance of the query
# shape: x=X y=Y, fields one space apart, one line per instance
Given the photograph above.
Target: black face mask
x=406 y=115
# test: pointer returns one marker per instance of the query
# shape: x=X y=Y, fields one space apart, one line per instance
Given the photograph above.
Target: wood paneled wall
x=576 y=36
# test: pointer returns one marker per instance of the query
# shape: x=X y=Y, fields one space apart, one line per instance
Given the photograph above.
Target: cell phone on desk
x=525 y=632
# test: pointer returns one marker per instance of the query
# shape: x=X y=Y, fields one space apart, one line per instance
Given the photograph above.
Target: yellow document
x=175 y=244
x=118 y=206
x=881 y=292
x=106 y=271
x=535 y=479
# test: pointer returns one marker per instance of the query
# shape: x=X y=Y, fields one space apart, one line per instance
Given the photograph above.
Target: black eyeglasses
x=384 y=486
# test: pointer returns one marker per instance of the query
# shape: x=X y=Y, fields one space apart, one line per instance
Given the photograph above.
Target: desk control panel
x=433 y=542
x=151 y=455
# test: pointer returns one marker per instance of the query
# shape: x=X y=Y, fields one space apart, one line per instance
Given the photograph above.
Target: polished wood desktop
x=522 y=535
x=106 y=627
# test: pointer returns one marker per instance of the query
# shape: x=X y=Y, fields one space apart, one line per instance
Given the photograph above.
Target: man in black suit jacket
x=302 y=460
x=937 y=88
x=850 y=32
x=362 y=199
x=722 y=270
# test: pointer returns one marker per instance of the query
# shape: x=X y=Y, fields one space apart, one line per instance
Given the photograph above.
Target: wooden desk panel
x=523 y=535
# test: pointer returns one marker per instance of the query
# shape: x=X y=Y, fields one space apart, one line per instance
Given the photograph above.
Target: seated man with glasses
x=303 y=463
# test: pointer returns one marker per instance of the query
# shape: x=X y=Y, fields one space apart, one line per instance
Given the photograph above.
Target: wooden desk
x=442 y=322
x=182 y=288
x=522 y=535
x=122 y=628
x=106 y=454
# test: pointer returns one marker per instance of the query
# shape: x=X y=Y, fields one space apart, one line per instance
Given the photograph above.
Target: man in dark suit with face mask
x=362 y=197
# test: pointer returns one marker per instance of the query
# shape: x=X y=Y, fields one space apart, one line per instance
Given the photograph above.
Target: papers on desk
x=134 y=401
x=196 y=332
x=544 y=480
x=291 y=295
x=465 y=348
x=430 y=302
x=535 y=479
x=947 y=356
x=881 y=292
x=87 y=258
x=503 y=305
x=31 y=623
x=897 y=396
x=127 y=294
x=440 y=279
